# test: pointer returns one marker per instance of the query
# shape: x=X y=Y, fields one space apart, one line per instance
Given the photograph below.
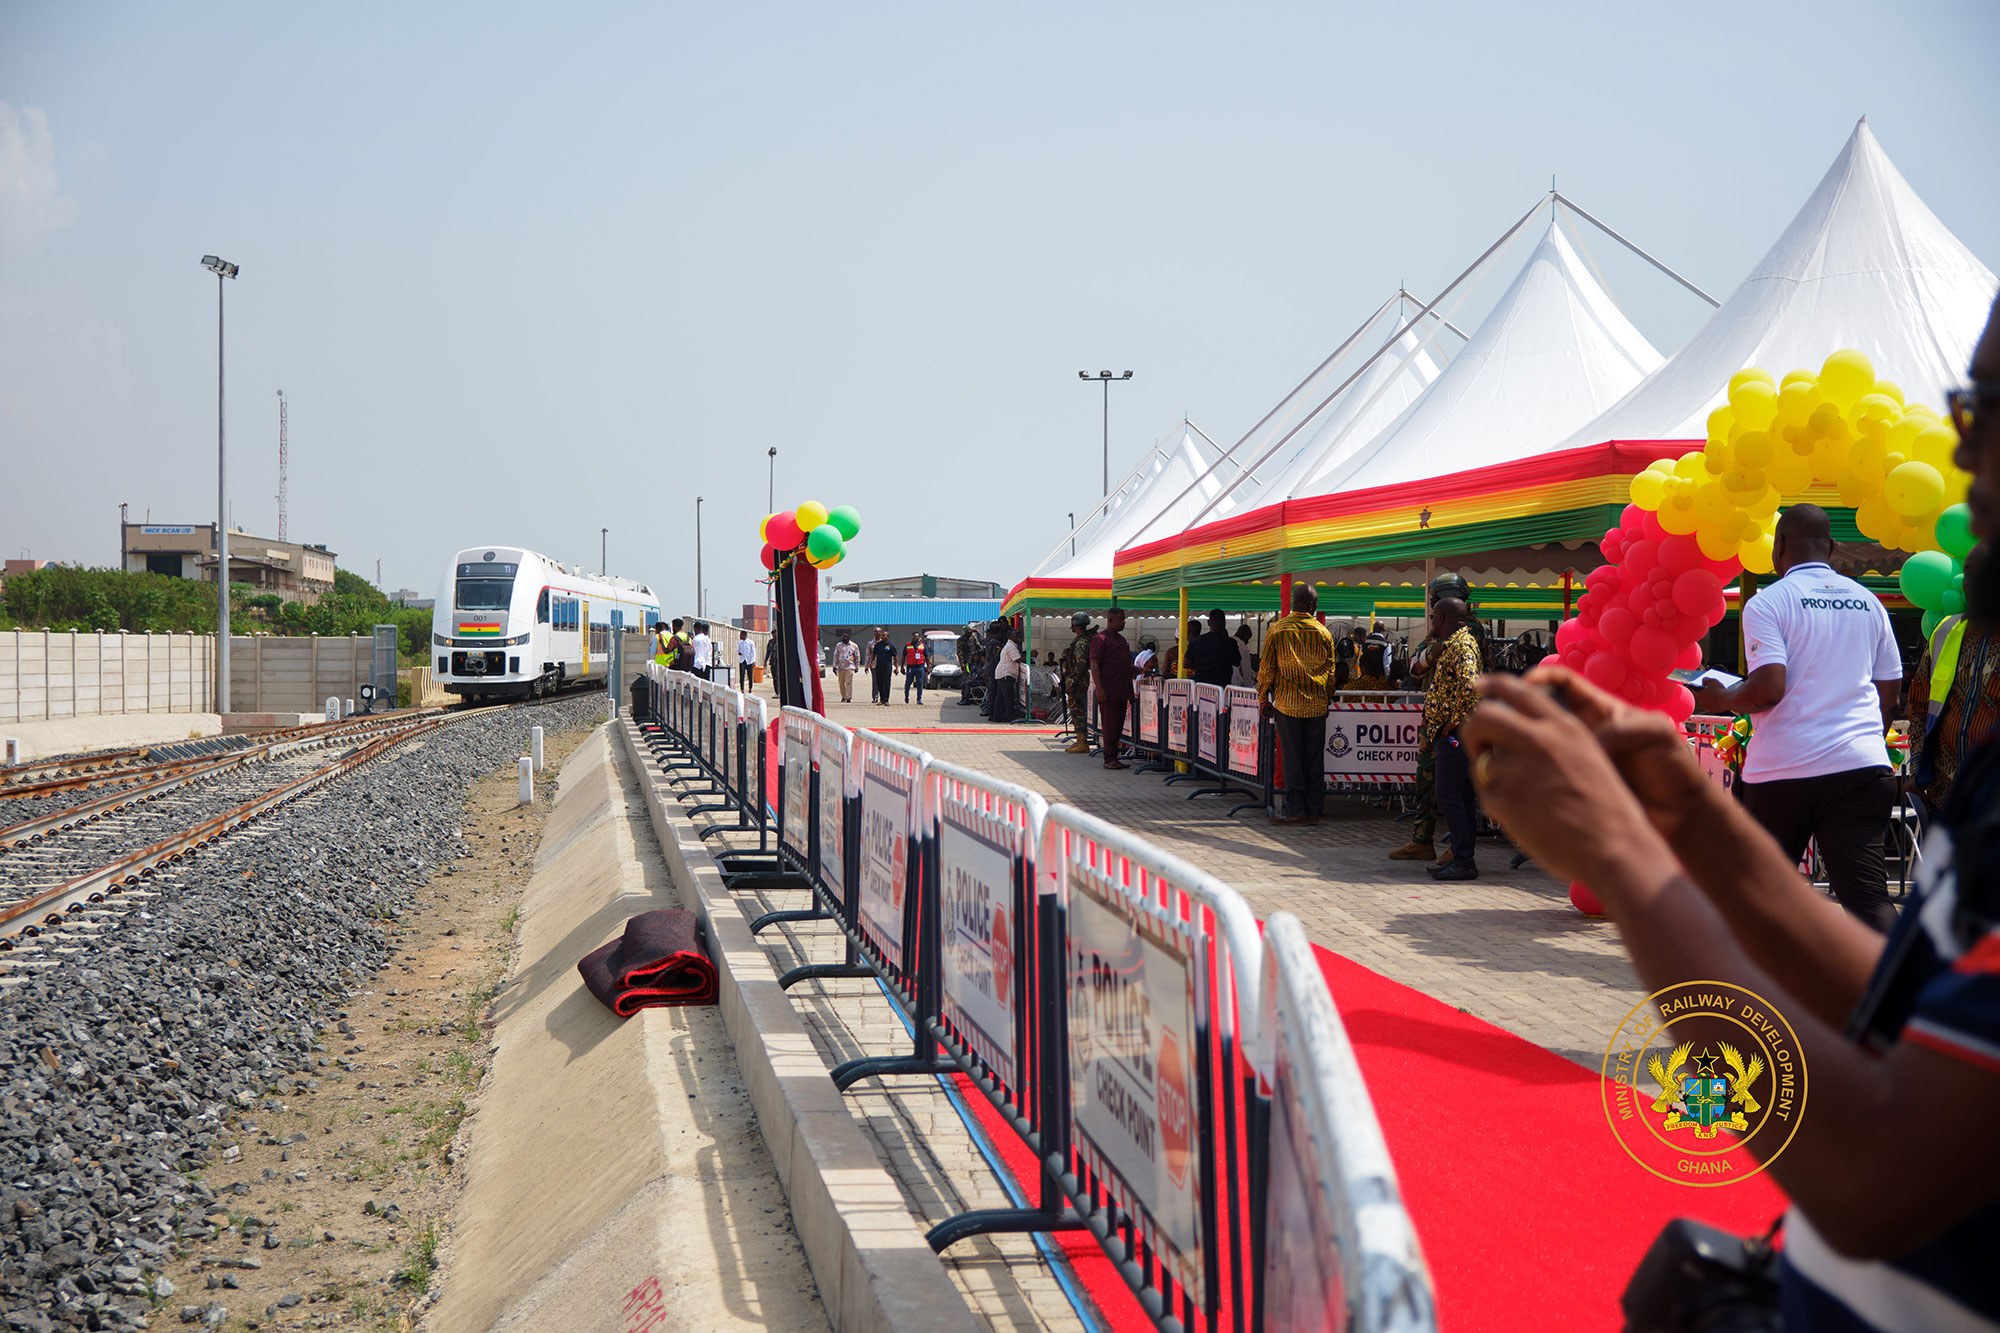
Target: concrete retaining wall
x=48 y=675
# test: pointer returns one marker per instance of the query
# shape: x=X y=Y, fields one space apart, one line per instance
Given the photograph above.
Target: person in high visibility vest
x=663 y=644
x=1954 y=697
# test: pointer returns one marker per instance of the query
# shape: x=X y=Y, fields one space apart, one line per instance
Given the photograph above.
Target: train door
x=585 y=623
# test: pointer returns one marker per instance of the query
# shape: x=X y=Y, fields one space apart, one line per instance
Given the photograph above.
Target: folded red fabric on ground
x=661 y=959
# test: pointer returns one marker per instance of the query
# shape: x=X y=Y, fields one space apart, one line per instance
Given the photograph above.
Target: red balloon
x=1679 y=553
x=1679 y=703
x=1613 y=544
x=1607 y=671
x=1688 y=658
x=1575 y=658
x=1569 y=635
x=1616 y=625
x=1584 y=901
x=1602 y=576
x=1696 y=591
x=1640 y=557
x=1652 y=650
x=783 y=531
x=1633 y=520
x=770 y=557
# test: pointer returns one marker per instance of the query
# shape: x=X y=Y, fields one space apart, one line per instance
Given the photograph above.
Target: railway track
x=65 y=872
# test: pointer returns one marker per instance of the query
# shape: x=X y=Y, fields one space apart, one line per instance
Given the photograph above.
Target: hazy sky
x=529 y=271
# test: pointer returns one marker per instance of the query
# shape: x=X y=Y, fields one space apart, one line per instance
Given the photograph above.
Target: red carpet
x=1530 y=1213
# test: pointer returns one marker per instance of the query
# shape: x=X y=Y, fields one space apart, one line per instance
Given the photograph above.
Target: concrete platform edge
x=873 y=1267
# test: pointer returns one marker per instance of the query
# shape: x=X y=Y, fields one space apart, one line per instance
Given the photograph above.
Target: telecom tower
x=284 y=466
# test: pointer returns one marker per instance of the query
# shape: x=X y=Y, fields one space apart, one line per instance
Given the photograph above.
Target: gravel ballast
x=123 y=1061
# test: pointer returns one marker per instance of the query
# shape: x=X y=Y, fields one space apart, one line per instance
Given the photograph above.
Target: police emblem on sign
x=1337 y=743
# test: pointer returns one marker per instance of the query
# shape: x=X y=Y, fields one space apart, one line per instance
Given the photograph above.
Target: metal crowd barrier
x=1184 y=1081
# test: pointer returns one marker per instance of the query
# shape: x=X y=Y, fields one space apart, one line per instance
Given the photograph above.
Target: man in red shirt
x=1111 y=673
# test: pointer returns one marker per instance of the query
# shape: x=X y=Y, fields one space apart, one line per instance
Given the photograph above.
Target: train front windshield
x=485 y=587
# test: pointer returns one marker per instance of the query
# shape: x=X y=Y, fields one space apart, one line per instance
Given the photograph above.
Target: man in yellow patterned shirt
x=1294 y=681
x=1448 y=702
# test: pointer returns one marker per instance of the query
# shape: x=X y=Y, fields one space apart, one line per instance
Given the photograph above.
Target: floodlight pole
x=699 y=592
x=221 y=269
x=1105 y=377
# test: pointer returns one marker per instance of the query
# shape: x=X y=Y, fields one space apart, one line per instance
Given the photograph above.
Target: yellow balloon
x=1677 y=519
x=1764 y=504
x=764 y=528
x=1648 y=489
x=1829 y=460
x=1712 y=504
x=1856 y=489
x=1716 y=543
x=1933 y=445
x=1789 y=474
x=1689 y=465
x=1890 y=389
x=1720 y=422
x=1797 y=377
x=1753 y=401
x=1754 y=449
x=1875 y=518
x=1756 y=554
x=1796 y=402
x=811 y=514
x=1924 y=410
x=1827 y=422
x=1846 y=376
x=1869 y=457
x=1914 y=489
x=1751 y=375
x=1957 y=485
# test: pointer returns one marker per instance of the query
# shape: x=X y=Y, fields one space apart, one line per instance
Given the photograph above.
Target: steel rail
x=175 y=776
x=128 y=870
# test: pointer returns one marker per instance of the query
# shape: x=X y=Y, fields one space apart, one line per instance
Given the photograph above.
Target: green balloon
x=1953 y=604
x=1931 y=621
x=847 y=520
x=1926 y=578
x=1953 y=532
x=823 y=542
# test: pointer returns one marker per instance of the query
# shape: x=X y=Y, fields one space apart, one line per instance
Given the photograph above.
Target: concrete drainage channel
x=128 y=1049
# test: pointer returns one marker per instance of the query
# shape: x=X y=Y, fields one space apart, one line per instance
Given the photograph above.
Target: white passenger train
x=511 y=624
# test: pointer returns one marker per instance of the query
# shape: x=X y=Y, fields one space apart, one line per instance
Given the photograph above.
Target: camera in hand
x=1696 y=1277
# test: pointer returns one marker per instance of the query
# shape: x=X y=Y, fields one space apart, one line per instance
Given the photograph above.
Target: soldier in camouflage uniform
x=1076 y=681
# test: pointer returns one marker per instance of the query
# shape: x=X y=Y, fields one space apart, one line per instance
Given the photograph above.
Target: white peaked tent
x=1177 y=479
x=1362 y=412
x=1864 y=264
x=1554 y=353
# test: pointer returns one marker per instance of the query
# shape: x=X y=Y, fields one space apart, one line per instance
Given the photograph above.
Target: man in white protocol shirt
x=704 y=649
x=746 y=663
x=1824 y=677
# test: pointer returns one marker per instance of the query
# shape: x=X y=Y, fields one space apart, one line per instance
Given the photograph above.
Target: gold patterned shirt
x=1296 y=670
x=1449 y=698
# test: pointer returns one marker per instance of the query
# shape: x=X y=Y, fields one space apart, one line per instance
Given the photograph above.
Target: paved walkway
x=1508 y=947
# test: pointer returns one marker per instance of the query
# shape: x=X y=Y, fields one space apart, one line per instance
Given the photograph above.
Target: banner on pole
x=1177 y=715
x=1132 y=1059
x=798 y=779
x=1242 y=704
x=832 y=817
x=885 y=831
x=1207 y=721
x=976 y=878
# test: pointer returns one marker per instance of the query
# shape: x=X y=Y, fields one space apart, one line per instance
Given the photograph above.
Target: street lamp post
x=604 y=550
x=771 y=495
x=221 y=269
x=1105 y=377
x=700 y=593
